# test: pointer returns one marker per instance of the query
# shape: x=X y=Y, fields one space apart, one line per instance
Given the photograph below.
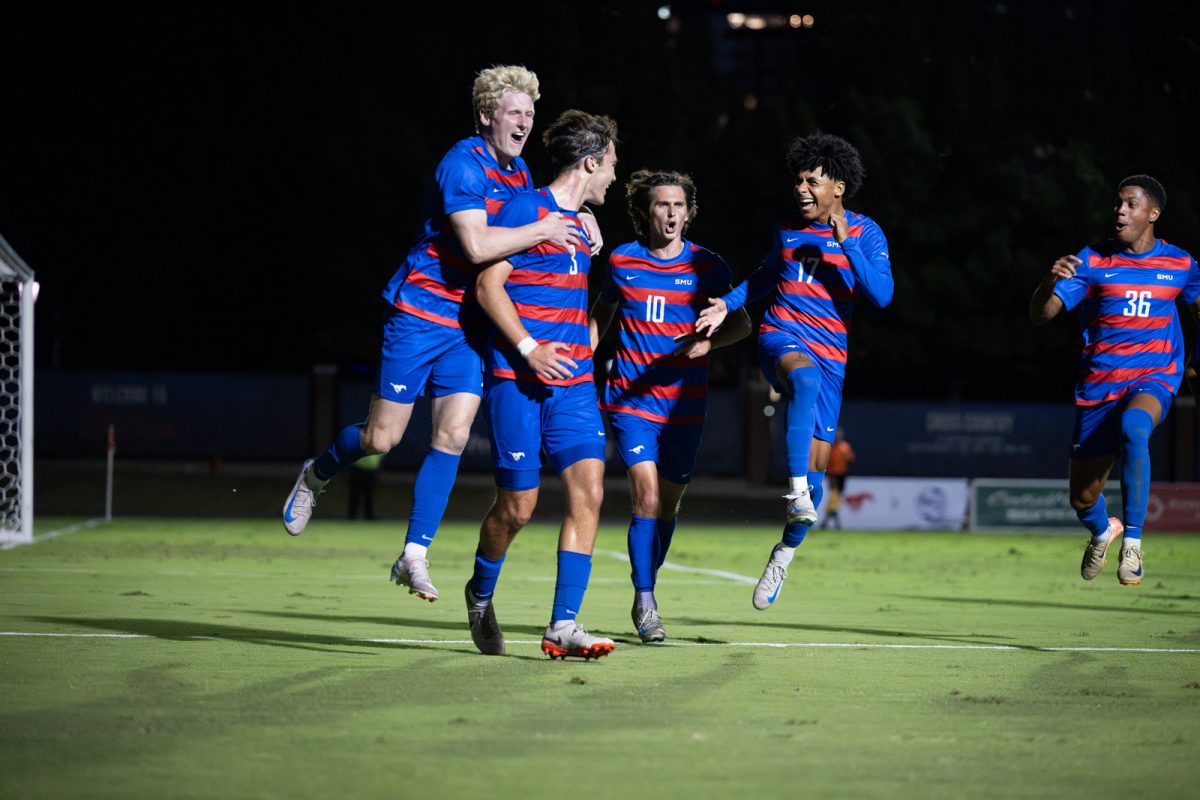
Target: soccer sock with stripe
x=1136 y=427
x=805 y=383
x=574 y=570
x=431 y=492
x=483 y=580
x=345 y=450
x=641 y=553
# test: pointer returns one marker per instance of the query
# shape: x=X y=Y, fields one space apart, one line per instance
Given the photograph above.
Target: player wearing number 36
x=823 y=260
x=1131 y=364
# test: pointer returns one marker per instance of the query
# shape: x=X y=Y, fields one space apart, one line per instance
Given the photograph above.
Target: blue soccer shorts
x=419 y=355
x=1098 y=428
x=774 y=345
x=527 y=419
x=672 y=447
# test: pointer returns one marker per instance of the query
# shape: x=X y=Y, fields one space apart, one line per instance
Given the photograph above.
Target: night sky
x=229 y=190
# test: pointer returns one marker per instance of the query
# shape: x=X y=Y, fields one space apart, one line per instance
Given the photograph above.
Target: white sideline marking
x=716 y=573
x=778 y=645
x=54 y=534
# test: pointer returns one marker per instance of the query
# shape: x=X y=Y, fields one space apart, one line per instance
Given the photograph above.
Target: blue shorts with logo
x=672 y=447
x=419 y=355
x=527 y=419
x=1098 y=428
x=774 y=345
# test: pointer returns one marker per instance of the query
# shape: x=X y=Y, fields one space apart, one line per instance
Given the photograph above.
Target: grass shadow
x=991 y=601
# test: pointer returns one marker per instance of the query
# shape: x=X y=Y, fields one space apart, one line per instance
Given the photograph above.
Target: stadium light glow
x=755 y=23
x=664 y=13
x=735 y=20
x=795 y=20
x=807 y=20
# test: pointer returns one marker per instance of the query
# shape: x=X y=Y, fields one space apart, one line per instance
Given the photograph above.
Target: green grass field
x=224 y=659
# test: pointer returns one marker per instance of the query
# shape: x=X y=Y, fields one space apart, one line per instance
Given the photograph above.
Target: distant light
x=755 y=23
x=735 y=20
x=664 y=13
x=807 y=20
x=795 y=20
x=750 y=102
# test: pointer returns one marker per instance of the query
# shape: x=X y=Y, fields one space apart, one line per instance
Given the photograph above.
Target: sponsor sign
x=903 y=503
x=998 y=504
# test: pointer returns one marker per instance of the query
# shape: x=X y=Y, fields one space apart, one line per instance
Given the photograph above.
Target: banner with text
x=998 y=504
x=903 y=503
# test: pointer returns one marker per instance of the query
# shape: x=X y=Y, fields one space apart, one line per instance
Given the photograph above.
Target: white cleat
x=574 y=642
x=800 y=508
x=767 y=590
x=1129 y=571
x=414 y=573
x=1095 y=555
x=297 y=511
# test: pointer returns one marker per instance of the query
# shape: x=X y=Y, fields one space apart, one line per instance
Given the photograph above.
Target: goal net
x=16 y=397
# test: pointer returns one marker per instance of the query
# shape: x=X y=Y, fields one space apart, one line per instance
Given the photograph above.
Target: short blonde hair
x=491 y=84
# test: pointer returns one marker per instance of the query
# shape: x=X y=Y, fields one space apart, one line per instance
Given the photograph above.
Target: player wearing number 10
x=823 y=260
x=657 y=389
x=1131 y=364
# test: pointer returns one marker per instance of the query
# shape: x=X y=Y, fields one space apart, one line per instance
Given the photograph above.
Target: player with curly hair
x=823 y=259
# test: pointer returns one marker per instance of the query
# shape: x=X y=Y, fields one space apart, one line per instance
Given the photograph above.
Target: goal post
x=17 y=290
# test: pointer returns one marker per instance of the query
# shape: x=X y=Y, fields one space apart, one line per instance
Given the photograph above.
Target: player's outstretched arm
x=696 y=344
x=544 y=359
x=483 y=243
x=1045 y=305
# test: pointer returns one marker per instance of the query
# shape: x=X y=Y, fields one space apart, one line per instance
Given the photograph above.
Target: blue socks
x=574 y=570
x=642 y=559
x=1136 y=427
x=487 y=572
x=805 y=382
x=1095 y=519
x=664 y=531
x=794 y=532
x=431 y=492
x=345 y=450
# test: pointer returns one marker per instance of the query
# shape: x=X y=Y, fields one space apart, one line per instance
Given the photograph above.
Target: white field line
x=716 y=573
x=54 y=534
x=775 y=645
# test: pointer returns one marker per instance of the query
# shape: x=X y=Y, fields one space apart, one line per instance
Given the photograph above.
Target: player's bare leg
x=1087 y=477
x=509 y=513
x=452 y=418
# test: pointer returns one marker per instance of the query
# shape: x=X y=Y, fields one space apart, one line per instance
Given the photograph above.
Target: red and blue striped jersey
x=1127 y=317
x=818 y=282
x=434 y=278
x=656 y=301
x=549 y=287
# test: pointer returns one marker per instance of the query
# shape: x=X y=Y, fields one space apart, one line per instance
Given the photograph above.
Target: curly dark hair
x=641 y=187
x=1148 y=185
x=837 y=158
x=575 y=135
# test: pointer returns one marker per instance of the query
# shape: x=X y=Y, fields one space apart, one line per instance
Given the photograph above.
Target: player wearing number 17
x=823 y=259
x=1130 y=367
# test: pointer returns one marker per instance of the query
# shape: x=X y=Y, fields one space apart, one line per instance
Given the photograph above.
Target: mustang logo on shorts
x=398 y=387
x=637 y=449
x=517 y=456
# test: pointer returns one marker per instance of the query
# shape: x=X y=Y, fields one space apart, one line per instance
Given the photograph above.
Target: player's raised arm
x=869 y=260
x=483 y=243
x=545 y=359
x=1045 y=305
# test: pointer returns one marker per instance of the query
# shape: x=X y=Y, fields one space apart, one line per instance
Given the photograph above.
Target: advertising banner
x=903 y=503
x=998 y=504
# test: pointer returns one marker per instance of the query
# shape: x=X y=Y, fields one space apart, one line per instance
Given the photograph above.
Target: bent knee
x=378 y=440
x=452 y=440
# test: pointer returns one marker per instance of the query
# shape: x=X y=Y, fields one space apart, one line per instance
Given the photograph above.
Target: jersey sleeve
x=609 y=293
x=1072 y=290
x=871 y=265
x=762 y=280
x=520 y=210
x=462 y=184
x=1191 y=289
